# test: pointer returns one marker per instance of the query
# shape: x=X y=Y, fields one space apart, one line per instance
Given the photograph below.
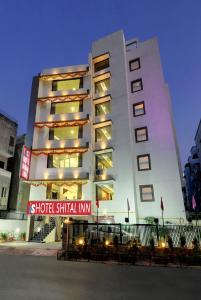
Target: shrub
x=4 y=236
x=170 y=242
x=23 y=236
x=182 y=241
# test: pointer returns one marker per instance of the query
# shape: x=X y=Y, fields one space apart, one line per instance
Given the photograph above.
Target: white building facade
x=104 y=131
x=8 y=131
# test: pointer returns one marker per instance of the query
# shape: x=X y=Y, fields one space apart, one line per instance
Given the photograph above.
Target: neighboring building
x=8 y=131
x=192 y=176
x=104 y=131
x=19 y=190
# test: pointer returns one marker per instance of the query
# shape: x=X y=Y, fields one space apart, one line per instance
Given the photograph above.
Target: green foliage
x=4 y=236
x=170 y=242
x=149 y=220
x=23 y=236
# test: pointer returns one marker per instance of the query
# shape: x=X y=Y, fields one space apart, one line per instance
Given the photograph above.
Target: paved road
x=41 y=278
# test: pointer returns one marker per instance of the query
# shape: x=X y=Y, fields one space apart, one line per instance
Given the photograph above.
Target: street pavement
x=24 y=277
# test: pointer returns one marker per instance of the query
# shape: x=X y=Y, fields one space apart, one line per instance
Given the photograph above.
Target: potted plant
x=4 y=236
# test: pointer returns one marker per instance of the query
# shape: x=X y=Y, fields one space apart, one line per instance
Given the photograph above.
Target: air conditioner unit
x=99 y=172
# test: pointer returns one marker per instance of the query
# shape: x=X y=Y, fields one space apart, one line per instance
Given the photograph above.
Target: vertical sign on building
x=25 y=163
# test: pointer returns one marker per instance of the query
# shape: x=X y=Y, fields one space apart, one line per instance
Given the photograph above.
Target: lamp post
x=66 y=221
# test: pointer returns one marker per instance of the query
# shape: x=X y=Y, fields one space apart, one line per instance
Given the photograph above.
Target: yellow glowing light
x=102 y=118
x=60 y=175
x=46 y=175
x=103 y=176
x=163 y=245
x=103 y=145
x=48 y=145
x=63 y=118
x=76 y=144
x=66 y=221
x=106 y=243
x=62 y=144
x=72 y=108
x=81 y=242
x=49 y=118
x=72 y=131
x=75 y=174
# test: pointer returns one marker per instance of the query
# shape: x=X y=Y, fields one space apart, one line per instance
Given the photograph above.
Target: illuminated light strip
x=64 y=75
x=44 y=151
x=57 y=182
x=61 y=123
x=66 y=98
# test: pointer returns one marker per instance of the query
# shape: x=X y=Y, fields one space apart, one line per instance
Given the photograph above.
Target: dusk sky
x=38 y=34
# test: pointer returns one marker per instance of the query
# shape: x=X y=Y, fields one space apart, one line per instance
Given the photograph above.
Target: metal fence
x=142 y=233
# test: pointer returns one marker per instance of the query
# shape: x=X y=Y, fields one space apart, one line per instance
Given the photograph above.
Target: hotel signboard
x=65 y=208
x=25 y=163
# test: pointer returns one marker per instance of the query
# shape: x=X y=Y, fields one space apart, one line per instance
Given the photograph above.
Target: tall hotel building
x=105 y=131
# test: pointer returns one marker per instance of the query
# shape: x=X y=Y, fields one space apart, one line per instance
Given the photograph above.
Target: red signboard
x=65 y=208
x=25 y=163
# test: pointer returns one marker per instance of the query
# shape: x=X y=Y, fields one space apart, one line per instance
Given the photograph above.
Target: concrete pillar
x=58 y=229
x=30 y=228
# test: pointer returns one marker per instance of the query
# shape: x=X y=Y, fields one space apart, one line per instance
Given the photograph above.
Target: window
x=144 y=162
x=134 y=64
x=141 y=134
x=67 y=84
x=136 y=86
x=2 y=164
x=71 y=191
x=103 y=160
x=138 y=109
x=67 y=107
x=3 y=192
x=101 y=87
x=11 y=141
x=65 y=133
x=101 y=65
x=64 y=160
x=103 y=133
x=102 y=108
x=147 y=192
x=104 y=191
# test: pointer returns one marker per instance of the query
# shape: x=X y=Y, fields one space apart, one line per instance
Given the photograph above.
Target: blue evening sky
x=37 y=34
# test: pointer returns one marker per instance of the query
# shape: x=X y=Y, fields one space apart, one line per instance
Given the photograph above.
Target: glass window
x=147 y=192
x=65 y=133
x=64 y=160
x=138 y=109
x=104 y=191
x=101 y=87
x=104 y=160
x=65 y=192
x=141 y=134
x=136 y=85
x=144 y=162
x=67 y=84
x=11 y=141
x=103 y=133
x=2 y=164
x=67 y=107
x=101 y=65
x=134 y=64
x=103 y=108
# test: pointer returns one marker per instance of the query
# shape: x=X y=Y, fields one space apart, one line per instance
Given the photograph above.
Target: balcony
x=63 y=117
x=62 y=144
x=64 y=96
x=53 y=174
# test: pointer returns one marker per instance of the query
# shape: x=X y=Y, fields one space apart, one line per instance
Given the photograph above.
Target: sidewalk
x=30 y=248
